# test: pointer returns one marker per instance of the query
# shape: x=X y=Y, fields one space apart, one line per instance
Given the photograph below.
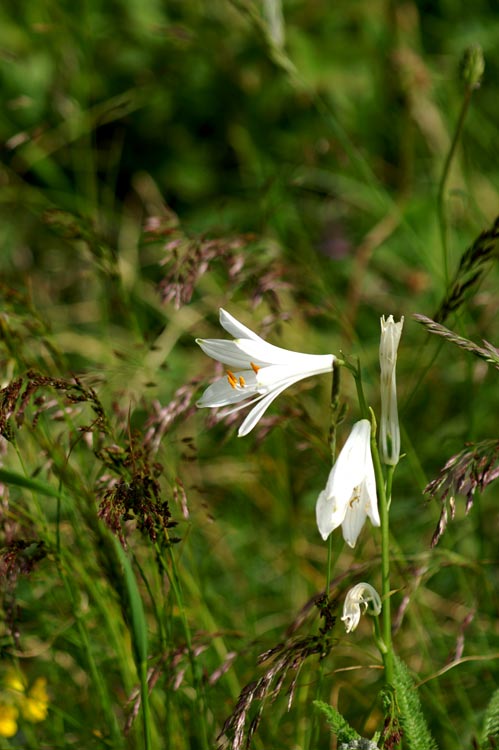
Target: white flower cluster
x=257 y=372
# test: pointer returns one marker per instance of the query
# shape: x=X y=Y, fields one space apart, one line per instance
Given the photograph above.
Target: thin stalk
x=335 y=402
x=174 y=580
x=335 y=408
x=146 y=709
x=386 y=624
x=442 y=214
x=388 y=486
x=102 y=693
x=364 y=410
x=329 y=565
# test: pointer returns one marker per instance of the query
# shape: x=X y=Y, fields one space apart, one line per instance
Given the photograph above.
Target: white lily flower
x=258 y=372
x=357 y=602
x=350 y=494
x=389 y=426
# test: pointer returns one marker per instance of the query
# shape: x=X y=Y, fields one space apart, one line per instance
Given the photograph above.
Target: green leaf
x=416 y=733
x=11 y=477
x=490 y=734
x=339 y=725
x=135 y=606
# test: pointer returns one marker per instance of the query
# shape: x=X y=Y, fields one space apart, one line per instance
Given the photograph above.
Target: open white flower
x=357 y=602
x=389 y=426
x=257 y=371
x=350 y=494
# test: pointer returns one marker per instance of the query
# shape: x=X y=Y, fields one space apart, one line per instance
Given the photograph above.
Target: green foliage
x=339 y=725
x=490 y=733
x=414 y=726
x=280 y=159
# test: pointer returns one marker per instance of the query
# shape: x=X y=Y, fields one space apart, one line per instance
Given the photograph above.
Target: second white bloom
x=350 y=494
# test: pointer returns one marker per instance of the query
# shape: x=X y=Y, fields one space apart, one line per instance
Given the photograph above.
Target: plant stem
x=146 y=711
x=329 y=566
x=174 y=579
x=97 y=677
x=364 y=410
x=384 y=506
x=335 y=409
x=442 y=214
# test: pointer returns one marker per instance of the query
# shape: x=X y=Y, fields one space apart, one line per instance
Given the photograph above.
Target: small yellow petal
x=15 y=681
x=35 y=705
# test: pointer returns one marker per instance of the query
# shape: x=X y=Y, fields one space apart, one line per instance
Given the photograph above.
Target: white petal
x=355 y=519
x=351 y=618
x=328 y=514
x=350 y=465
x=221 y=393
x=370 y=502
x=227 y=352
x=262 y=351
x=235 y=328
x=259 y=410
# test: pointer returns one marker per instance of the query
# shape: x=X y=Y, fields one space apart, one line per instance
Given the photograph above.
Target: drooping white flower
x=350 y=494
x=357 y=602
x=257 y=372
x=389 y=426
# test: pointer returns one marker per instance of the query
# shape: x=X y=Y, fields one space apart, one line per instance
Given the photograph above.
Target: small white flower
x=357 y=602
x=257 y=371
x=389 y=427
x=350 y=494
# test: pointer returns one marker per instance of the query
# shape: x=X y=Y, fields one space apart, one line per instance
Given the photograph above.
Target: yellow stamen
x=355 y=496
x=254 y=367
x=242 y=381
x=232 y=379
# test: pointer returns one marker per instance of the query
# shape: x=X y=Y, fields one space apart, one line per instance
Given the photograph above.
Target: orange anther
x=232 y=379
x=254 y=367
x=242 y=381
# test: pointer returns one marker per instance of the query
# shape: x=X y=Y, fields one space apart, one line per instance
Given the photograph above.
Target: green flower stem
x=335 y=412
x=383 y=498
x=388 y=486
x=378 y=637
x=364 y=410
x=329 y=566
x=442 y=214
x=384 y=508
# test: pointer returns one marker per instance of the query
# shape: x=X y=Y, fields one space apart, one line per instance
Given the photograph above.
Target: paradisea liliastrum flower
x=357 y=602
x=350 y=494
x=389 y=430
x=257 y=372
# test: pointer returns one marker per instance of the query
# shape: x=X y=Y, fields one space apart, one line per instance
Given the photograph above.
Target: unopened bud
x=472 y=66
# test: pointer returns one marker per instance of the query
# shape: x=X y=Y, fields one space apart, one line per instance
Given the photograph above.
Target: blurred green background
x=282 y=159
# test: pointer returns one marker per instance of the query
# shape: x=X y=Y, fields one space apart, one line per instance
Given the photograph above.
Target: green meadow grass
x=308 y=166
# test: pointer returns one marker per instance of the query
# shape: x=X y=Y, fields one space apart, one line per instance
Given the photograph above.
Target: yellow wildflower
x=8 y=720
x=34 y=706
x=14 y=681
